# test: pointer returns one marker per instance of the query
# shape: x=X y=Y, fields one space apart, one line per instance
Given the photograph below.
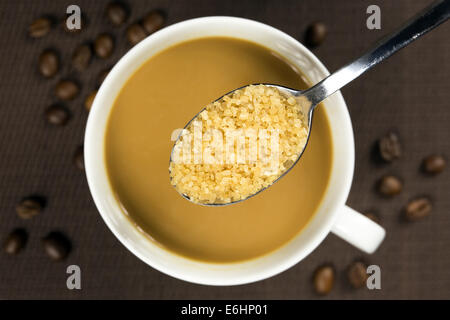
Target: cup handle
x=358 y=230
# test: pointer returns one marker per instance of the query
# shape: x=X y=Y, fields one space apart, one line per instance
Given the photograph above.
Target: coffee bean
x=57 y=115
x=357 y=275
x=389 y=147
x=372 y=216
x=315 y=34
x=135 y=34
x=78 y=158
x=117 y=13
x=390 y=185
x=433 y=164
x=104 y=45
x=48 y=63
x=89 y=100
x=153 y=21
x=418 y=209
x=57 y=246
x=30 y=206
x=81 y=57
x=67 y=90
x=40 y=27
x=15 y=241
x=323 y=279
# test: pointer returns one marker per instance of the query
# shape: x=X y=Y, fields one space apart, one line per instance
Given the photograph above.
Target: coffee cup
x=331 y=216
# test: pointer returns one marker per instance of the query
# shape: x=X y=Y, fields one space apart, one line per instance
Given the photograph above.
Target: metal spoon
x=426 y=20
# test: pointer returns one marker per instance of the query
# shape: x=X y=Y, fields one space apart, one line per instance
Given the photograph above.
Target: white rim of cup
x=93 y=166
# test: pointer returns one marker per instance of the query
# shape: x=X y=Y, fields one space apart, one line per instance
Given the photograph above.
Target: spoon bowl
x=302 y=101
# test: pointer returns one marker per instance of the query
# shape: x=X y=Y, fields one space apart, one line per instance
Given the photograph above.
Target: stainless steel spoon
x=426 y=20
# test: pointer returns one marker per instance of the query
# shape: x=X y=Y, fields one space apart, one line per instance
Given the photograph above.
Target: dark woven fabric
x=409 y=94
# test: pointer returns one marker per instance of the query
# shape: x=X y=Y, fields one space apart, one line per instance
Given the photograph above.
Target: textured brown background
x=409 y=93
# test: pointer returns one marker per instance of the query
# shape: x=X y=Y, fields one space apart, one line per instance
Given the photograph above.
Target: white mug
x=332 y=215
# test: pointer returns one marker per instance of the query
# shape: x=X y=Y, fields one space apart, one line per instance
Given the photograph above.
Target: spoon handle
x=426 y=20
